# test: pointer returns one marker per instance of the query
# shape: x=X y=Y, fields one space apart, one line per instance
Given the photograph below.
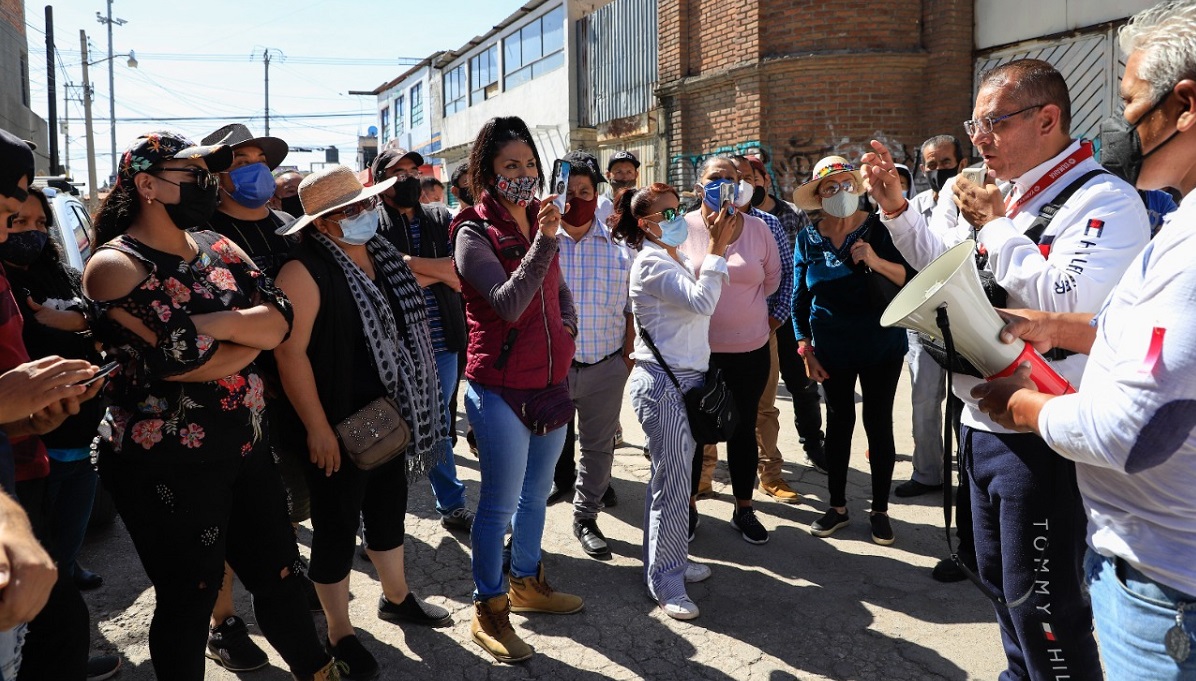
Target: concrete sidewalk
x=797 y=607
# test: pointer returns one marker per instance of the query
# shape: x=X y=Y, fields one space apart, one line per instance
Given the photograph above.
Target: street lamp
x=112 y=78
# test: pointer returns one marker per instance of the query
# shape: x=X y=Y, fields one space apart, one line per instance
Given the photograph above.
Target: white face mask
x=744 y=198
x=359 y=229
x=841 y=205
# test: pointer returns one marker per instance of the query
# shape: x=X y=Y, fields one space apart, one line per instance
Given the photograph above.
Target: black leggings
x=746 y=374
x=186 y=520
x=340 y=501
x=878 y=386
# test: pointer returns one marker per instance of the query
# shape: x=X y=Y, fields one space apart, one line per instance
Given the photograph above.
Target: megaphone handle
x=1044 y=376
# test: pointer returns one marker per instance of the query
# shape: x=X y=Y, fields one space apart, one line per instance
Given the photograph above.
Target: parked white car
x=72 y=223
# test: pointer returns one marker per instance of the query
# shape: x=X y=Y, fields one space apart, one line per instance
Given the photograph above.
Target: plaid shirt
x=792 y=218
x=780 y=304
x=597 y=271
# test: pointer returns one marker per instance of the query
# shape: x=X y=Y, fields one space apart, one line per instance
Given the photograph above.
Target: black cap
x=389 y=157
x=585 y=163
x=622 y=156
x=16 y=161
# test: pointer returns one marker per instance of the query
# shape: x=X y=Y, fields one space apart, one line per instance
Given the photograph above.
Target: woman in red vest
x=521 y=327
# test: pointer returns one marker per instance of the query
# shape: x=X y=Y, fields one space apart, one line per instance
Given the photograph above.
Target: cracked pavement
x=797 y=607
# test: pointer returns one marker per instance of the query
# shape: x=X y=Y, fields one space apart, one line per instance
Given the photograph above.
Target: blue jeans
x=70 y=491
x=517 y=470
x=448 y=488
x=1133 y=614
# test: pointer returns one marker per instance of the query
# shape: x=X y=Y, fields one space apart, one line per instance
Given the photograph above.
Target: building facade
x=16 y=116
x=409 y=112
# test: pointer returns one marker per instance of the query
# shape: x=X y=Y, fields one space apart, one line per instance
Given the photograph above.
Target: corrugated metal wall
x=616 y=61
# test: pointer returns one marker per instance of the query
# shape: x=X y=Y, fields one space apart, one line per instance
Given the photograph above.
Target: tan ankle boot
x=329 y=672
x=491 y=628
x=533 y=594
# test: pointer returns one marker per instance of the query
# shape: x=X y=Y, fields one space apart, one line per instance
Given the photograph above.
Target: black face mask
x=938 y=178
x=1121 y=146
x=406 y=193
x=617 y=186
x=465 y=196
x=195 y=207
x=22 y=248
x=292 y=205
x=758 y=196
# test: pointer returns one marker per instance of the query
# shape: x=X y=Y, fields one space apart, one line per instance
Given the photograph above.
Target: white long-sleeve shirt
x=675 y=306
x=1131 y=428
x=1092 y=240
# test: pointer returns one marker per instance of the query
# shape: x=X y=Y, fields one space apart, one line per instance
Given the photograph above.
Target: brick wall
x=799 y=80
x=12 y=12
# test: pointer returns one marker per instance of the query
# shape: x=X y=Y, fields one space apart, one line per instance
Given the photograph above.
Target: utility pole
x=66 y=129
x=111 y=79
x=51 y=95
x=266 y=61
x=93 y=192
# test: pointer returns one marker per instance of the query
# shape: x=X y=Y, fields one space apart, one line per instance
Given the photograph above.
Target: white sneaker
x=696 y=572
x=680 y=608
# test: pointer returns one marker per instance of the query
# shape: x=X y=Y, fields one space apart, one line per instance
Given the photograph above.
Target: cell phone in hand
x=560 y=183
x=102 y=373
x=726 y=197
x=978 y=175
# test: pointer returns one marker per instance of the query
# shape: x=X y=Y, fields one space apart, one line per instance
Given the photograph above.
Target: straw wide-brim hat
x=330 y=189
x=806 y=196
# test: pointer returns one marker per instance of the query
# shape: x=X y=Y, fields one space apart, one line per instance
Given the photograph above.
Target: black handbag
x=709 y=407
x=881 y=289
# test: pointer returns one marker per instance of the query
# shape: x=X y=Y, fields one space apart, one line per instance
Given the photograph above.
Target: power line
x=313 y=61
x=294 y=117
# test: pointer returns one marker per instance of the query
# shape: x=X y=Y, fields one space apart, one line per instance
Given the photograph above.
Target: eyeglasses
x=984 y=126
x=667 y=214
x=827 y=190
x=203 y=179
x=353 y=210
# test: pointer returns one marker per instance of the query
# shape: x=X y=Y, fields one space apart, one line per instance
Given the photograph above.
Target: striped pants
x=661 y=412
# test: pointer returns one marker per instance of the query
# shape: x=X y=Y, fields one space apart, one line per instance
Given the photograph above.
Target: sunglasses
x=353 y=210
x=203 y=179
x=828 y=190
x=667 y=214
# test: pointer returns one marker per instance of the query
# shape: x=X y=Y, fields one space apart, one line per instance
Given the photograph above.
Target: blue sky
x=206 y=69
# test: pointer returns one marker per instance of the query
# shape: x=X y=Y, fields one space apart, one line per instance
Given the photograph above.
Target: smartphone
x=560 y=183
x=726 y=197
x=978 y=175
x=103 y=372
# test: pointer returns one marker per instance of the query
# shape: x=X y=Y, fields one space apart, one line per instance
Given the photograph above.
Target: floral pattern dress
x=151 y=417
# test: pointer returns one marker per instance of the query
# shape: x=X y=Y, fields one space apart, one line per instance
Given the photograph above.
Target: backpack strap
x=1048 y=212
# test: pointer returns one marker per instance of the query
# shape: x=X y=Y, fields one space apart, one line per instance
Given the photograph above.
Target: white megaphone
x=952 y=282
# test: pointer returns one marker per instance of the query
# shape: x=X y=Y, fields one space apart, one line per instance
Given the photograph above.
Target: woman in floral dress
x=183 y=447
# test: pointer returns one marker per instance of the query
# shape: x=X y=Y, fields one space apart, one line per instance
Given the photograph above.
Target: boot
x=329 y=672
x=533 y=594
x=491 y=629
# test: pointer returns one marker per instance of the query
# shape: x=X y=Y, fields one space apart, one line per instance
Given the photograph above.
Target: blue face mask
x=359 y=229
x=253 y=185
x=674 y=232
x=712 y=197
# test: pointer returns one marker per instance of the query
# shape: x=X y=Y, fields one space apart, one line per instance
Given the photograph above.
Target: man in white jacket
x=1028 y=519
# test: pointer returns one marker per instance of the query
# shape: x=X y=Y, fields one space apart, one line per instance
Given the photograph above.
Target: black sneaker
x=816 y=457
x=948 y=571
x=593 y=542
x=609 y=498
x=882 y=529
x=913 y=488
x=828 y=523
x=102 y=667
x=506 y=556
x=350 y=653
x=86 y=580
x=458 y=519
x=745 y=521
x=557 y=494
x=230 y=646
x=472 y=441
x=694 y=521
x=414 y=611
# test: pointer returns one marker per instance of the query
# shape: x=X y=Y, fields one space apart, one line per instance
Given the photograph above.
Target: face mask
x=465 y=196
x=359 y=229
x=580 y=212
x=195 y=206
x=620 y=185
x=673 y=232
x=712 y=194
x=743 y=194
x=1121 y=147
x=22 y=248
x=939 y=177
x=253 y=185
x=293 y=205
x=841 y=205
x=758 y=196
x=518 y=190
x=406 y=193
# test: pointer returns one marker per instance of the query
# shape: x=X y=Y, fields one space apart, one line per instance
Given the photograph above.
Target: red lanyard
x=1073 y=160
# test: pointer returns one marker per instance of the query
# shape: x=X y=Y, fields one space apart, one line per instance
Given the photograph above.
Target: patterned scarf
x=407 y=369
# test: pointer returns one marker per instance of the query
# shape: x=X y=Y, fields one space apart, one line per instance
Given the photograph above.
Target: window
x=81 y=227
x=385 y=126
x=535 y=49
x=483 y=75
x=454 y=90
x=417 y=104
x=400 y=124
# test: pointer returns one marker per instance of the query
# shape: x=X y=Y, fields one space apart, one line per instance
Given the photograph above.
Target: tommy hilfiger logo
x=1095 y=225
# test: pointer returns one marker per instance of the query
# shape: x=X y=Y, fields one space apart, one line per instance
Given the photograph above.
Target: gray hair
x=944 y=141
x=1166 y=36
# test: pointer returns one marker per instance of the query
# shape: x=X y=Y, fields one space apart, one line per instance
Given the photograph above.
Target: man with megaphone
x=1131 y=428
x=1058 y=232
